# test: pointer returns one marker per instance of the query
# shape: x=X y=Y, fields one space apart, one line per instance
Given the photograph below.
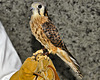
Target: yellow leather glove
x=37 y=67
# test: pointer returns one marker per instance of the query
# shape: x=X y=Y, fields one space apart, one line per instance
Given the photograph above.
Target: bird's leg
x=45 y=51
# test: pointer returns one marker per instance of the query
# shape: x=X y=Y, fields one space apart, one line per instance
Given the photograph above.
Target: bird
x=47 y=34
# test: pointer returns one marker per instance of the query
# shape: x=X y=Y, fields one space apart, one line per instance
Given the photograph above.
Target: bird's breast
x=37 y=30
x=40 y=35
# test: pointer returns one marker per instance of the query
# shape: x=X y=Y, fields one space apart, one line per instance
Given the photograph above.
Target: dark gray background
x=78 y=22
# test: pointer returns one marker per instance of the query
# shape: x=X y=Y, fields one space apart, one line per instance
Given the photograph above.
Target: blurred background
x=78 y=22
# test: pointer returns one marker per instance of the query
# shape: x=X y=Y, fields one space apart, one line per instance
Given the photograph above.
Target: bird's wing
x=52 y=34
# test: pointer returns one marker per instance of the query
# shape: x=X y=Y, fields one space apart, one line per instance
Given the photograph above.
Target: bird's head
x=39 y=8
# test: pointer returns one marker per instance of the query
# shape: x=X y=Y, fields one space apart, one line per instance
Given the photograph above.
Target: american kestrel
x=47 y=34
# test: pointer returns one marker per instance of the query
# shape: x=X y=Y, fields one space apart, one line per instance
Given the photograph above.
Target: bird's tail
x=69 y=60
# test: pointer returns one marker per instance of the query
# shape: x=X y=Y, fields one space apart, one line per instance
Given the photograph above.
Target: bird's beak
x=31 y=8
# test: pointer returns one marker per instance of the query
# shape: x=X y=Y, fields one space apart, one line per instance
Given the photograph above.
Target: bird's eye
x=39 y=6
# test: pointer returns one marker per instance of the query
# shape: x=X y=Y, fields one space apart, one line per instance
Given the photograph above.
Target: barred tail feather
x=69 y=60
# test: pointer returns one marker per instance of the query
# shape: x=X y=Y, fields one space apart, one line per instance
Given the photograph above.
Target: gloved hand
x=37 y=67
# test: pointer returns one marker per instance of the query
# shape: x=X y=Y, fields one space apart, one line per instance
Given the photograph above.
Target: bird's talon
x=35 y=56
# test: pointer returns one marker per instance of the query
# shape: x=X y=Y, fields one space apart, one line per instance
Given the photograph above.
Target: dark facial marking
x=39 y=11
x=39 y=7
